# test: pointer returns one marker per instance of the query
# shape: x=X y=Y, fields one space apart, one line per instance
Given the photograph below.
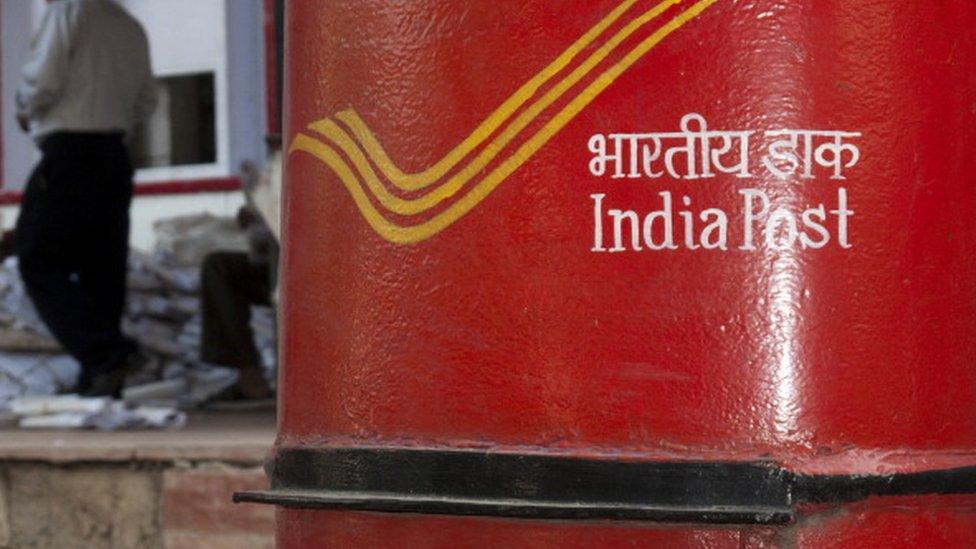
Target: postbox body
x=532 y=241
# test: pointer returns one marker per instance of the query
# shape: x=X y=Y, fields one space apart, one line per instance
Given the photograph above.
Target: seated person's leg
x=230 y=284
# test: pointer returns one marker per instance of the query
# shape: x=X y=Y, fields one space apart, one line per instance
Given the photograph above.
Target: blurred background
x=159 y=469
x=217 y=63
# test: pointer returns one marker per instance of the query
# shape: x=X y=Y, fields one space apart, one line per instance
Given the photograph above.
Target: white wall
x=19 y=153
x=186 y=36
x=147 y=210
x=189 y=36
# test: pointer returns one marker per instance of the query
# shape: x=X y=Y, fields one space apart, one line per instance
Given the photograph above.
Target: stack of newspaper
x=162 y=315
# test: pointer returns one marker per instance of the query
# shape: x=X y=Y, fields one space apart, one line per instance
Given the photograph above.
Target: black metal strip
x=553 y=487
x=391 y=503
x=528 y=486
x=847 y=488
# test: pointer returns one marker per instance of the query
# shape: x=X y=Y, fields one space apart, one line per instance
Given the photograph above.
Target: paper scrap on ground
x=74 y=412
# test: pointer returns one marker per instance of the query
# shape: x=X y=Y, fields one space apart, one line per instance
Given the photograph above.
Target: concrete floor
x=225 y=436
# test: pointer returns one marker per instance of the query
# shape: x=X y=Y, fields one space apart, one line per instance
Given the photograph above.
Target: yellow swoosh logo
x=405 y=207
x=412 y=182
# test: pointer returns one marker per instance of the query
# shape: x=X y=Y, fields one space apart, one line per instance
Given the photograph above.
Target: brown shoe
x=251 y=385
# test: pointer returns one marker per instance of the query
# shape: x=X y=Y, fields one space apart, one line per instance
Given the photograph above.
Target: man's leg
x=103 y=268
x=55 y=237
x=230 y=284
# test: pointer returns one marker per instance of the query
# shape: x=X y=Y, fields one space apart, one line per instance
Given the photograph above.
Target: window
x=182 y=130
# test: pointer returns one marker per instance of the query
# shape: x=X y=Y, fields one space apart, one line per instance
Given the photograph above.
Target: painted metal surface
x=449 y=281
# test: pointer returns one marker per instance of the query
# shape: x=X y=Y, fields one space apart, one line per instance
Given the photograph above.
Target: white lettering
x=785 y=218
x=618 y=221
x=751 y=216
x=721 y=225
x=598 y=223
x=664 y=214
x=808 y=221
x=842 y=214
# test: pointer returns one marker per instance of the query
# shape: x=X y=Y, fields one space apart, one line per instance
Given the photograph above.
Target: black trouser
x=230 y=284
x=73 y=242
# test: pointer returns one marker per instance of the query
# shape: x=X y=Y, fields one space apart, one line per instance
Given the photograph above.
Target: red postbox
x=628 y=272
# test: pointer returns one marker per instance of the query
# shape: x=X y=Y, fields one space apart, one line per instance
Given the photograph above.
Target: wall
x=131 y=505
x=221 y=36
x=19 y=153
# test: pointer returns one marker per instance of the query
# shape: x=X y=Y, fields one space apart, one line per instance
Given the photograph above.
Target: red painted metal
x=504 y=331
x=271 y=68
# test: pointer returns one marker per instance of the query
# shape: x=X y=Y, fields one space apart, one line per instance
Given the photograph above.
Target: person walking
x=87 y=85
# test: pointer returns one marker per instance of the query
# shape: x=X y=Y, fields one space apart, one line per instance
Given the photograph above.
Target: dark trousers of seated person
x=230 y=284
x=73 y=242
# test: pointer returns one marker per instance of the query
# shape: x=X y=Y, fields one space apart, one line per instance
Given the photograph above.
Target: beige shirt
x=89 y=71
